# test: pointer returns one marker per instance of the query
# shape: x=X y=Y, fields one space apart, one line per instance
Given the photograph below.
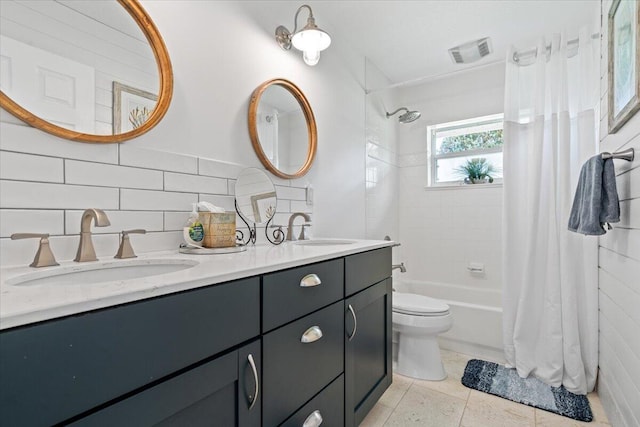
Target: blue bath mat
x=503 y=382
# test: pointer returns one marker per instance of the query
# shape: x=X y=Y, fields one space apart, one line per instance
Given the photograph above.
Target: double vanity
x=294 y=335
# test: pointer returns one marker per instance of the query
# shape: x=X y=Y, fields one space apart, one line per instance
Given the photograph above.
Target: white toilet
x=418 y=320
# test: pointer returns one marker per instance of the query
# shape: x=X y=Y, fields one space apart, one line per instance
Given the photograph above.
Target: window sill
x=461 y=187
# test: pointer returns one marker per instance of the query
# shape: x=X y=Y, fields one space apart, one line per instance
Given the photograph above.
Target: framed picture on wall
x=131 y=107
x=624 y=62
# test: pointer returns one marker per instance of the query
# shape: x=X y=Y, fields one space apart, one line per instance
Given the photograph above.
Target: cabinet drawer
x=329 y=404
x=58 y=369
x=365 y=269
x=287 y=295
x=293 y=371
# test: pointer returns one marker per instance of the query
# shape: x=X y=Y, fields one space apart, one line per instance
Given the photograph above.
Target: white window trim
x=433 y=158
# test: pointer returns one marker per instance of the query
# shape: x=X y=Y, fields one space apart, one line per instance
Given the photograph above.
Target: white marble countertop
x=22 y=304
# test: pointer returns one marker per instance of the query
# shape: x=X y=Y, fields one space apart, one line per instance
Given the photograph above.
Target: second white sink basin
x=101 y=272
x=323 y=242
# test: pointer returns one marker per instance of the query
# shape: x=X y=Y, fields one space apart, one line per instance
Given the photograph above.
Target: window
x=452 y=145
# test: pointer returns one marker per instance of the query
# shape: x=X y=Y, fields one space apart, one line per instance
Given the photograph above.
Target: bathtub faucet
x=401 y=266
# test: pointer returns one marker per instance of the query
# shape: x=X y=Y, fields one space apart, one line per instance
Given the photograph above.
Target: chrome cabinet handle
x=312 y=334
x=313 y=420
x=310 y=280
x=255 y=379
x=355 y=322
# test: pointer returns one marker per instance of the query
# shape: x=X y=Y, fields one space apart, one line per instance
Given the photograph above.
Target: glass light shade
x=311 y=40
x=311 y=57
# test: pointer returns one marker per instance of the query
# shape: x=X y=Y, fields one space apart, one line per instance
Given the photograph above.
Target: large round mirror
x=255 y=196
x=85 y=70
x=282 y=128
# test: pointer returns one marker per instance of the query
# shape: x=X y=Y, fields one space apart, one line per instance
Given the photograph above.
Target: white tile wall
x=47 y=183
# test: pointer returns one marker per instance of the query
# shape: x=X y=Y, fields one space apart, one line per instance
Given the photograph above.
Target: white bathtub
x=477 y=317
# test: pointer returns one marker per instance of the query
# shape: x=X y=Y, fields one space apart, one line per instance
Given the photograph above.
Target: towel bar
x=627 y=155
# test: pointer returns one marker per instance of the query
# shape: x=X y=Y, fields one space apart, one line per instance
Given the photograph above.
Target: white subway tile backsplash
x=290 y=193
x=161 y=160
x=210 y=167
x=31 y=221
x=231 y=186
x=194 y=183
x=297 y=206
x=120 y=220
x=104 y=175
x=26 y=195
x=26 y=139
x=26 y=167
x=146 y=200
x=152 y=242
x=175 y=221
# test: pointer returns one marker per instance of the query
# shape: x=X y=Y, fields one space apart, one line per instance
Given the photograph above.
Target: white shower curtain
x=550 y=291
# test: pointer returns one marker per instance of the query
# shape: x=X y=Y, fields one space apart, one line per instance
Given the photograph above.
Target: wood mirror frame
x=312 y=131
x=165 y=72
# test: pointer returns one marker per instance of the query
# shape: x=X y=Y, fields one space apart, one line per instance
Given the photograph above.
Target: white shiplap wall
x=619 y=272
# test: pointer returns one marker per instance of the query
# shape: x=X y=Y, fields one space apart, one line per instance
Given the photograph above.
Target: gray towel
x=595 y=204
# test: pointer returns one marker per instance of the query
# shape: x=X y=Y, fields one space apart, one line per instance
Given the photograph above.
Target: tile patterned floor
x=448 y=403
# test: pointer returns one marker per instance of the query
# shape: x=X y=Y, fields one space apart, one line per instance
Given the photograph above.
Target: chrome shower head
x=407 y=117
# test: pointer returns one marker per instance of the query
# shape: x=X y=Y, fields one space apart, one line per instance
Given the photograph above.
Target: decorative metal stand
x=276 y=238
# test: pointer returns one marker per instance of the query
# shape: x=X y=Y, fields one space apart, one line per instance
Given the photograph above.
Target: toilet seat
x=418 y=305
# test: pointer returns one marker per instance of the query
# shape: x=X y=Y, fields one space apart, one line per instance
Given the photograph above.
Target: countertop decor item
x=495 y=379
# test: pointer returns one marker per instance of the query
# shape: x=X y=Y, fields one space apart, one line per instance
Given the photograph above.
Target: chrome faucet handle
x=44 y=257
x=302 y=235
x=125 y=250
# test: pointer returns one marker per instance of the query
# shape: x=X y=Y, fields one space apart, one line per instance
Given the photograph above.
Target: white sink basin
x=323 y=242
x=101 y=272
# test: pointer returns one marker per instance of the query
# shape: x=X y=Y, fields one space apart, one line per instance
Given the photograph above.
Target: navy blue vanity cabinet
x=368 y=332
x=60 y=370
x=223 y=392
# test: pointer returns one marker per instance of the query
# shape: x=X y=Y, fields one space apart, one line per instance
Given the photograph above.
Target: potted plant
x=476 y=171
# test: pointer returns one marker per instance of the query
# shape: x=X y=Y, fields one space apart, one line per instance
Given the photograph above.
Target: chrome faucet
x=86 y=252
x=293 y=216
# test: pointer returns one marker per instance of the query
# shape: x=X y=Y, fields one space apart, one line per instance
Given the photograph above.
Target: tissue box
x=219 y=229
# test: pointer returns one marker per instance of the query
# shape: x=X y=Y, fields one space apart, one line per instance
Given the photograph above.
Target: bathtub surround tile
x=210 y=167
x=485 y=410
x=160 y=160
x=31 y=221
x=120 y=220
x=144 y=200
x=26 y=167
x=27 y=195
x=14 y=137
x=194 y=183
x=103 y=175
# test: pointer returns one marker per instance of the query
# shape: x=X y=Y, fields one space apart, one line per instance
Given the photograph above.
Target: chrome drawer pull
x=310 y=280
x=313 y=420
x=355 y=322
x=255 y=379
x=312 y=334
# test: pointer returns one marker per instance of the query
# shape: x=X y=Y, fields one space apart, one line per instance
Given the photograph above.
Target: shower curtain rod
x=532 y=52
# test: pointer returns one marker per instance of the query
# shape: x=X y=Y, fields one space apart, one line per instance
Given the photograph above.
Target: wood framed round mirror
x=110 y=78
x=282 y=128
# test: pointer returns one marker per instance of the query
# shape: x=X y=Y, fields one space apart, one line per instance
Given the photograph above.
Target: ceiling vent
x=472 y=51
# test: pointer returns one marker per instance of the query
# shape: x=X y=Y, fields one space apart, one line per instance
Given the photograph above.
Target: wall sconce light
x=310 y=40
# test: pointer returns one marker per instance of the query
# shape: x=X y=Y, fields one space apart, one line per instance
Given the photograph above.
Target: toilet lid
x=418 y=304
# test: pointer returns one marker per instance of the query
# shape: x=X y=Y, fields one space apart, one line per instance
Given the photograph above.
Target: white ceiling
x=408 y=40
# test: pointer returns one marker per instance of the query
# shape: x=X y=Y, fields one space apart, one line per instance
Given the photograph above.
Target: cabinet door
x=219 y=393
x=367 y=350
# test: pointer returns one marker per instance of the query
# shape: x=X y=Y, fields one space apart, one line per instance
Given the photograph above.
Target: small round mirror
x=255 y=196
x=282 y=128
